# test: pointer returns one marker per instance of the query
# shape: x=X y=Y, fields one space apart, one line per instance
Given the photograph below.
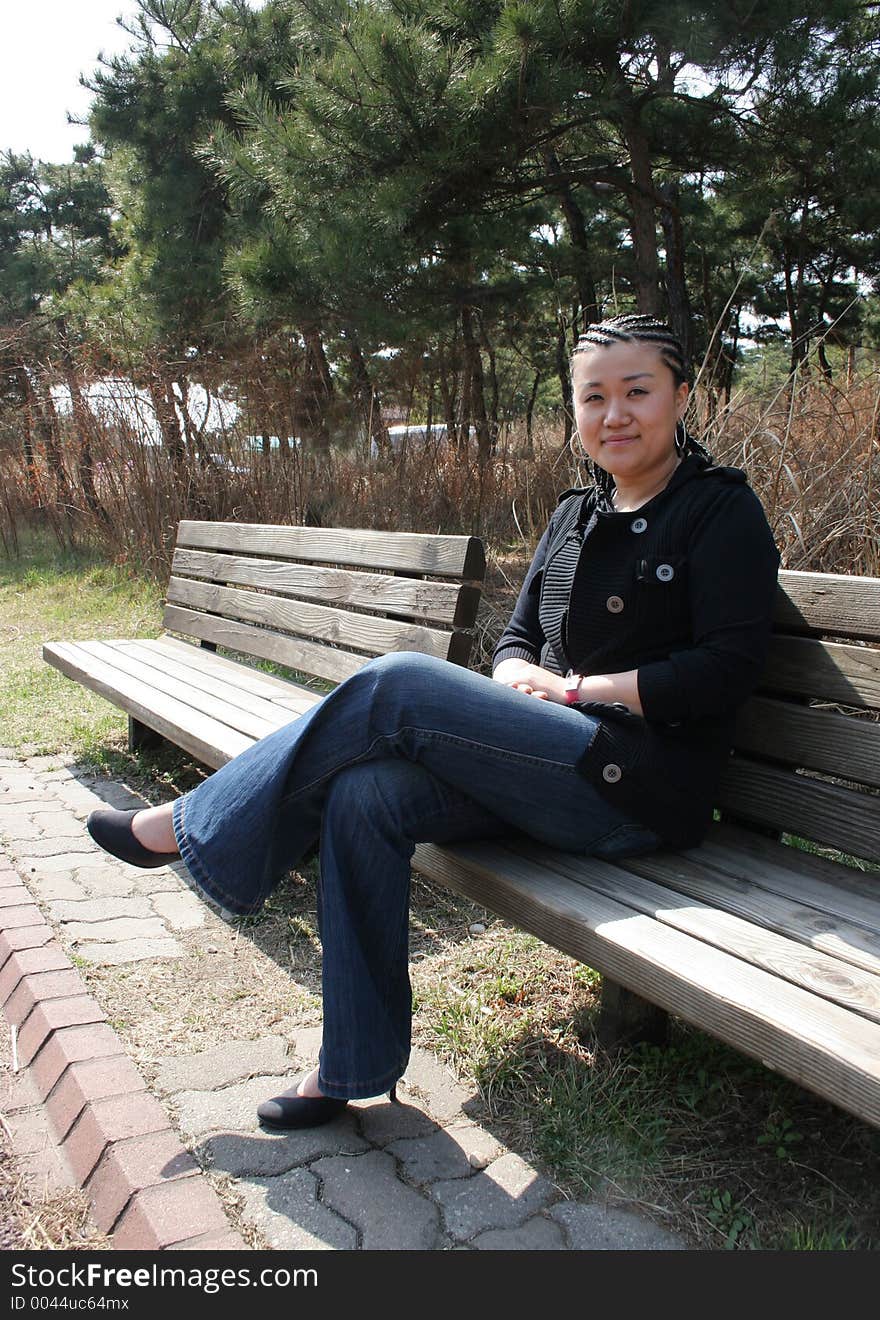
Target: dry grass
x=811 y=451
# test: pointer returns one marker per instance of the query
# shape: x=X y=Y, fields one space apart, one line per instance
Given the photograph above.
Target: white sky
x=44 y=46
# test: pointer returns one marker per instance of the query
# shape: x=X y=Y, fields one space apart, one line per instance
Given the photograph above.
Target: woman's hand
x=530 y=679
x=537 y=682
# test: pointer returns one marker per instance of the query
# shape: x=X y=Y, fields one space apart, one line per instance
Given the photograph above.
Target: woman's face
x=627 y=404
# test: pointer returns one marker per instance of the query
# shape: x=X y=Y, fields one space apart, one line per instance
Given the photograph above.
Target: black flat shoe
x=111 y=830
x=289 y=1110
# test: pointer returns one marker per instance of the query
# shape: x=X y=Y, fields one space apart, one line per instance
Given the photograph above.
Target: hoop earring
x=681 y=438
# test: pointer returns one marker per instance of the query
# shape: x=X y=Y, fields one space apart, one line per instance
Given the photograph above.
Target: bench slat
x=412 y=552
x=237 y=672
x=826 y=884
x=725 y=887
x=235 y=713
x=435 y=602
x=829 y=603
x=837 y=980
x=204 y=738
x=819 y=1045
x=811 y=739
x=218 y=684
x=292 y=652
x=826 y=813
x=366 y=632
x=826 y=671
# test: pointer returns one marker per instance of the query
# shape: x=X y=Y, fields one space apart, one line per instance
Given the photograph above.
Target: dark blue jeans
x=407 y=750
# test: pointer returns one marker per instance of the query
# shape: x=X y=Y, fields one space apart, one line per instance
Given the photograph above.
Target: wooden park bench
x=772 y=949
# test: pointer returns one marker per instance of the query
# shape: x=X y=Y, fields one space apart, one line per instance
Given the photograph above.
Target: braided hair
x=644 y=330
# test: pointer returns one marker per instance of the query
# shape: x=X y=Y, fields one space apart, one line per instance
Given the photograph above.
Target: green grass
x=47 y=595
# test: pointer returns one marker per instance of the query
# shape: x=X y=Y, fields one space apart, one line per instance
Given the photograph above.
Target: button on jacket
x=684 y=593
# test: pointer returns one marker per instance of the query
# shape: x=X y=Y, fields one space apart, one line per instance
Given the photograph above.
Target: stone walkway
x=180 y=1162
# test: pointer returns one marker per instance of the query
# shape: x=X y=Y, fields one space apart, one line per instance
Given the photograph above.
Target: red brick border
x=146 y=1190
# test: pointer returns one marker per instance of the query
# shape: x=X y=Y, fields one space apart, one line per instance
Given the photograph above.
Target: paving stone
x=608 y=1228
x=158 y=1217
x=160 y=881
x=72 y=1045
x=223 y=1241
x=47 y=847
x=40 y=985
x=14 y=896
x=381 y=1121
x=287 y=1213
x=56 y=887
x=265 y=1155
x=24 y=937
x=503 y=1196
x=232 y=1107
x=9 y=878
x=53 y=1015
x=105 y=883
x=21 y=829
x=354 y=1186
x=223 y=1064
x=446 y=1153
x=29 y=1130
x=90 y=1079
x=182 y=911
x=58 y=825
x=103 y=1122
x=17 y=1089
x=14 y=918
x=118 y=928
x=62 y=863
x=537 y=1234
x=434 y=1085
x=305 y=1044
x=100 y=909
x=126 y=951
x=49 y=958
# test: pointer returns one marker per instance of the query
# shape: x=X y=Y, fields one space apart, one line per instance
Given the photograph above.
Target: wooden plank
x=819 y=1045
x=735 y=885
x=212 y=703
x=234 y=671
x=414 y=552
x=834 y=603
x=293 y=652
x=829 y=886
x=204 y=738
x=841 y=982
x=296 y=698
x=824 y=671
x=435 y=602
x=825 y=813
x=811 y=739
x=365 y=632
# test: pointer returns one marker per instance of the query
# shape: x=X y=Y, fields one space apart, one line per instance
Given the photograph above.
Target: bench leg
x=627 y=1019
x=141 y=736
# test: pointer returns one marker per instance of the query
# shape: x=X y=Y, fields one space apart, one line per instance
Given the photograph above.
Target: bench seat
x=759 y=944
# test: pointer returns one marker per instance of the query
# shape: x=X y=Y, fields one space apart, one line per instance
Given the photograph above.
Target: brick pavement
x=182 y=1163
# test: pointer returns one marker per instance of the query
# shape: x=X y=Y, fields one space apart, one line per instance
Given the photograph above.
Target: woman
x=642 y=624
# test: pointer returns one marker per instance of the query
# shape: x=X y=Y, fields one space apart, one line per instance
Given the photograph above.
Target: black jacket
x=682 y=590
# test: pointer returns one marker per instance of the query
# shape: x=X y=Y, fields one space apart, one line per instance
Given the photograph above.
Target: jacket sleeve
x=523 y=638
x=732 y=567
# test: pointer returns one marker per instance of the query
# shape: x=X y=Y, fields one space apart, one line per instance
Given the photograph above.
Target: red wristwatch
x=572 y=687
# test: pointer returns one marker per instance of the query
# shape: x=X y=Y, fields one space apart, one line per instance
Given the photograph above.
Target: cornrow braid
x=635 y=328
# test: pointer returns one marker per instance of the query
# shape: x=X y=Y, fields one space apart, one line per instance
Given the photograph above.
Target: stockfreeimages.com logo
x=98 y=1276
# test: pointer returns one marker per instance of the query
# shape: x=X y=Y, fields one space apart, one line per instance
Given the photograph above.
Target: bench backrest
x=323 y=601
x=807 y=756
